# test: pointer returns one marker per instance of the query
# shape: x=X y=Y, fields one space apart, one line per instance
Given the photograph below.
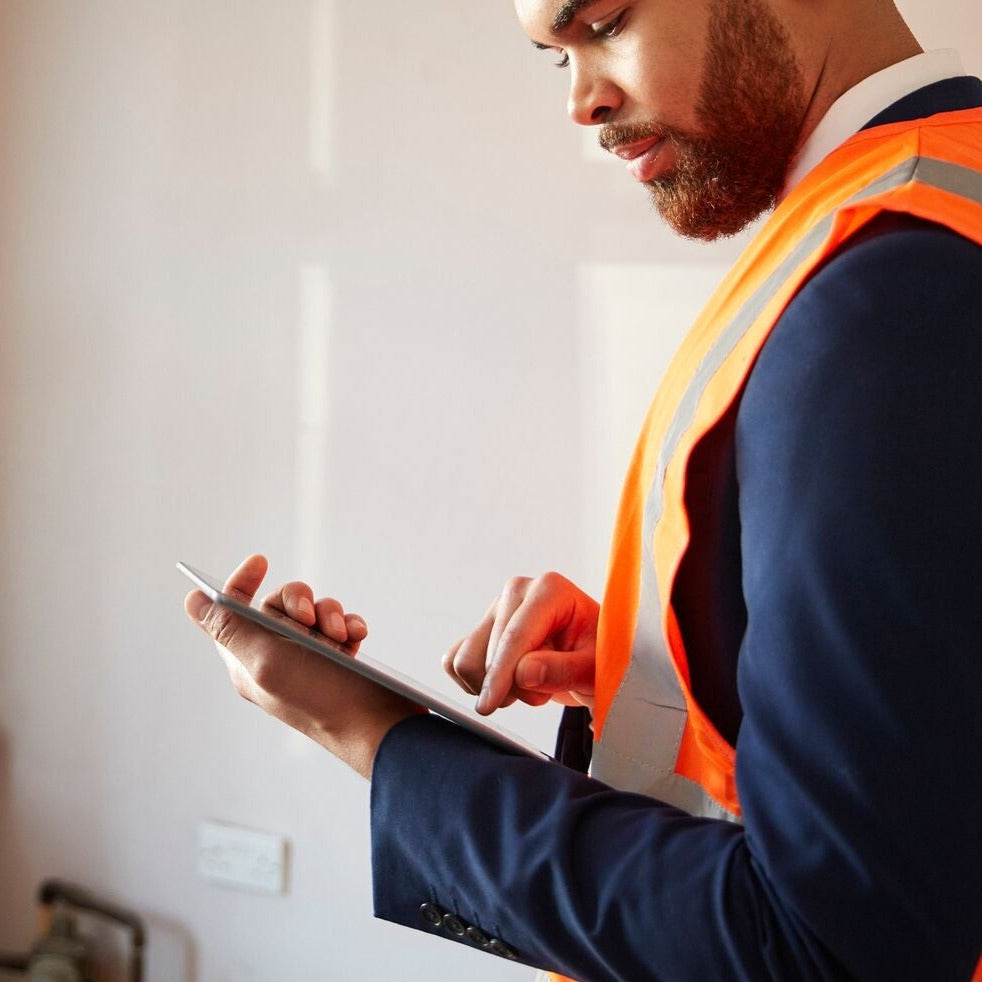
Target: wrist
x=358 y=744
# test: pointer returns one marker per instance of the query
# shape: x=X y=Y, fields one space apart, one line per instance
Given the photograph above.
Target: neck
x=847 y=42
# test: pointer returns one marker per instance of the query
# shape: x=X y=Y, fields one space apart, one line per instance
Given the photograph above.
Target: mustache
x=618 y=134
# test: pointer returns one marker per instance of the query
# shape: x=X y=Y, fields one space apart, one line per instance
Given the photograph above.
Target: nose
x=593 y=98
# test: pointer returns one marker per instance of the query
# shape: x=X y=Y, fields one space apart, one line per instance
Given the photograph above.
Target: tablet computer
x=378 y=672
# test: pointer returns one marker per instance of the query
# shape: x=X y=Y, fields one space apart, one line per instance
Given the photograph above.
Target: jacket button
x=431 y=914
x=454 y=925
x=477 y=937
x=500 y=949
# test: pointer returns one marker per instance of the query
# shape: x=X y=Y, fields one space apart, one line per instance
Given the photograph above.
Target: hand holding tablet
x=383 y=675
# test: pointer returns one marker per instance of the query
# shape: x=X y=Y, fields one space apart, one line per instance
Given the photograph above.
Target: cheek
x=668 y=92
x=667 y=54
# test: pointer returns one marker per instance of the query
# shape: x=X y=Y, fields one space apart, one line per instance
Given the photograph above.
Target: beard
x=751 y=106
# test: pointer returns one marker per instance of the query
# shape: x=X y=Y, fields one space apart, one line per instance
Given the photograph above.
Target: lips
x=641 y=157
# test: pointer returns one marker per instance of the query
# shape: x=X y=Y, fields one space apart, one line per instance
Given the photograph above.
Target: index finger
x=527 y=630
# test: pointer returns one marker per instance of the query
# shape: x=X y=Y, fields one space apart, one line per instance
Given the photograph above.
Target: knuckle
x=515 y=588
x=507 y=640
x=514 y=636
x=221 y=626
x=551 y=581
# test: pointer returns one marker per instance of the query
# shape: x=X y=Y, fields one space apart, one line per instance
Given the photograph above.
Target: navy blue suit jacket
x=835 y=631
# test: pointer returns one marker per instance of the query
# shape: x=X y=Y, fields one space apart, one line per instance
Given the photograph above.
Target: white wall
x=317 y=278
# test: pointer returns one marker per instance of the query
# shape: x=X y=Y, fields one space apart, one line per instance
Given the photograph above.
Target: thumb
x=557 y=671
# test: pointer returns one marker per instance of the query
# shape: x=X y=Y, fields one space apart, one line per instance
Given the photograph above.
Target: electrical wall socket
x=240 y=857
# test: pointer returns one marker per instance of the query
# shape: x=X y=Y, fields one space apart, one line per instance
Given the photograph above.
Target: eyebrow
x=566 y=13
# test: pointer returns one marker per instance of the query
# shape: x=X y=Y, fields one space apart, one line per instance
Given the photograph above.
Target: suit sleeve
x=860 y=673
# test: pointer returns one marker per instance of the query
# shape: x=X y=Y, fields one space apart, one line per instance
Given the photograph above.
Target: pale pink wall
x=196 y=244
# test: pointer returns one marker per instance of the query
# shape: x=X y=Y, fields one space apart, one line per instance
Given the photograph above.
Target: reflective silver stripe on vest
x=644 y=726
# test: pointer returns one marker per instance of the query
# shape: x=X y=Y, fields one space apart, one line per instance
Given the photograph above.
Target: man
x=785 y=670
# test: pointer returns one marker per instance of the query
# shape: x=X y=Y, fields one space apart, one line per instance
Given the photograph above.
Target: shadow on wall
x=13 y=865
x=171 y=952
x=169 y=955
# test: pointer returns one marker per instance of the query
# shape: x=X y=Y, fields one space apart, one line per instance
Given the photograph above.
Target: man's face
x=703 y=98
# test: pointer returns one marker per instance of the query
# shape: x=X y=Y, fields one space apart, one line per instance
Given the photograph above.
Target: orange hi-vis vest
x=650 y=734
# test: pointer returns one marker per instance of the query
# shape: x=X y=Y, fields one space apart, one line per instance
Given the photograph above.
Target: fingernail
x=483 y=701
x=336 y=623
x=306 y=608
x=532 y=674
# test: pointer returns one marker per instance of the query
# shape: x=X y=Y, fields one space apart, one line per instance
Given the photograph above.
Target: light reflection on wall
x=313 y=348
x=323 y=87
x=633 y=318
x=313 y=421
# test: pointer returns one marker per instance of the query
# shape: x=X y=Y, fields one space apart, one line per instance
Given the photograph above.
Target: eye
x=563 y=57
x=608 y=29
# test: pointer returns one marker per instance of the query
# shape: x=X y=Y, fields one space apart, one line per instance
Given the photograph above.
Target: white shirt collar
x=856 y=107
